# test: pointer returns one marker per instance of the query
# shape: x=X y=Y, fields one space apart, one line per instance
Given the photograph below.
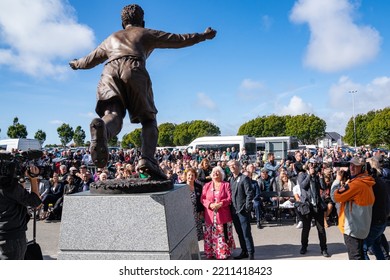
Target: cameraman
x=310 y=193
x=356 y=199
x=14 y=199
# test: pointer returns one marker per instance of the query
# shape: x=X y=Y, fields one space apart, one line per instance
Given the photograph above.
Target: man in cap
x=356 y=199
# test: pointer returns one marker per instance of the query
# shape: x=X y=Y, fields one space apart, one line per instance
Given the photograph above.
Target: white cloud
x=250 y=89
x=266 y=22
x=205 y=101
x=336 y=121
x=336 y=41
x=56 y=122
x=372 y=96
x=296 y=106
x=88 y=115
x=248 y=84
x=38 y=35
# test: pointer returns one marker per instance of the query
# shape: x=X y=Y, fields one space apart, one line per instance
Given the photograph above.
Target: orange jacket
x=355 y=205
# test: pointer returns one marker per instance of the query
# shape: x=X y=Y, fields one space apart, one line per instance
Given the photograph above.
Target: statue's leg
x=114 y=123
x=99 y=148
x=103 y=130
x=148 y=163
x=149 y=139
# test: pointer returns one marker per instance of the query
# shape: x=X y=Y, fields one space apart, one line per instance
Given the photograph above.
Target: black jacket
x=379 y=209
x=310 y=189
x=202 y=174
x=14 y=200
x=198 y=193
x=242 y=193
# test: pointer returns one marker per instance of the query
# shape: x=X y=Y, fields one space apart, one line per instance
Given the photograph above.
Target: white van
x=20 y=144
x=221 y=143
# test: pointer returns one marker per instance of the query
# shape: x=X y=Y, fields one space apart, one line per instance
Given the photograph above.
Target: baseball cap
x=73 y=168
x=356 y=161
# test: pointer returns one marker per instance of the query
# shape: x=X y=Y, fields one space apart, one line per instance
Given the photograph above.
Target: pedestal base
x=144 y=226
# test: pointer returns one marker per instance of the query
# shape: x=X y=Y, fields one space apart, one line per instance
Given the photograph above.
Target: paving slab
x=272 y=242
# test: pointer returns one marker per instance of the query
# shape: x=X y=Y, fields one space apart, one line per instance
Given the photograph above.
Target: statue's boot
x=151 y=168
x=99 y=148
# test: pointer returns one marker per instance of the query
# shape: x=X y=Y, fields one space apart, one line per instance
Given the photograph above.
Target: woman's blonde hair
x=374 y=162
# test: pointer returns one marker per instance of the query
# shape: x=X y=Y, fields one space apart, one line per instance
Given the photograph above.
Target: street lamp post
x=353 y=92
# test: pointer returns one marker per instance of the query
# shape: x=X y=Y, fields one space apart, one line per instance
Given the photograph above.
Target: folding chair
x=270 y=205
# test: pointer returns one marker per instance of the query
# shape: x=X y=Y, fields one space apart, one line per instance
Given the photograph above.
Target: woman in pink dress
x=216 y=198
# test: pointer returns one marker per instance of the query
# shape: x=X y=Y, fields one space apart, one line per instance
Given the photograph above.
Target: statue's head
x=132 y=14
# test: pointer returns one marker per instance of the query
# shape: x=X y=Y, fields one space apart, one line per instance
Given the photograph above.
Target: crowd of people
x=227 y=191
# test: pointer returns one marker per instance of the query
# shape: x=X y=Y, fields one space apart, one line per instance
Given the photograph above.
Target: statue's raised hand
x=210 y=33
x=72 y=64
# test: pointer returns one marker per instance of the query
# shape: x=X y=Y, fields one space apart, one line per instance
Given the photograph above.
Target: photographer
x=310 y=194
x=14 y=199
x=356 y=199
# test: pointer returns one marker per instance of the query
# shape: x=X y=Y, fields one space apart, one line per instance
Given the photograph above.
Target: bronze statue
x=125 y=84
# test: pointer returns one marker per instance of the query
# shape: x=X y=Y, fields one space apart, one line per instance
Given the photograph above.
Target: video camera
x=16 y=165
x=341 y=164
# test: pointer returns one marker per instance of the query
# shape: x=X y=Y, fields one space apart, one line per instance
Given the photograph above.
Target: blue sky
x=269 y=57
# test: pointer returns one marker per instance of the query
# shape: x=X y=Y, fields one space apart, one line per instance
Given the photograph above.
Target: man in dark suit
x=242 y=202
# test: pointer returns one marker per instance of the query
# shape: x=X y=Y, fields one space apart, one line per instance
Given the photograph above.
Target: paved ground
x=273 y=242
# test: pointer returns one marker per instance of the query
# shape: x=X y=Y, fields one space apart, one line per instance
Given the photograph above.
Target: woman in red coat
x=218 y=234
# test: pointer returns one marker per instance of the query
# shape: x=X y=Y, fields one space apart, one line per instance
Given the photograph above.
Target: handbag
x=302 y=207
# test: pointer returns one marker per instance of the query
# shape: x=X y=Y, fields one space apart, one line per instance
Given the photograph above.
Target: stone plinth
x=129 y=226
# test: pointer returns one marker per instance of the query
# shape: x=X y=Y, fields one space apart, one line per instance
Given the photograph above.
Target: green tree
x=79 y=136
x=274 y=126
x=379 y=128
x=113 y=141
x=188 y=131
x=65 y=133
x=307 y=128
x=362 y=131
x=349 y=136
x=203 y=128
x=180 y=135
x=165 y=136
x=254 y=127
x=132 y=139
x=17 y=130
x=40 y=135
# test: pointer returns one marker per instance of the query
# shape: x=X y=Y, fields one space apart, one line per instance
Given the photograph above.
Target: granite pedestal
x=145 y=226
